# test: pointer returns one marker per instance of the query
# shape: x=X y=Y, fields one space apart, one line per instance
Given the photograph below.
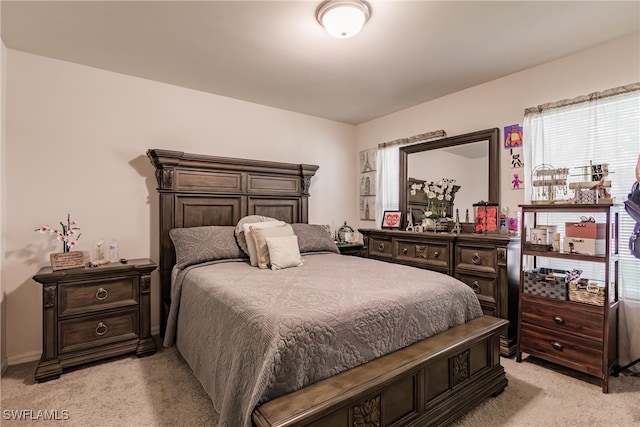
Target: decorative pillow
x=284 y=252
x=260 y=239
x=251 y=246
x=239 y=232
x=200 y=244
x=314 y=238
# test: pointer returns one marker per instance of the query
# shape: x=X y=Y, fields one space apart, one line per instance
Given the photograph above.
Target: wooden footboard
x=429 y=383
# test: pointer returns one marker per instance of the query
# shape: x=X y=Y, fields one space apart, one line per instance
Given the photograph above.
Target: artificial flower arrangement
x=67 y=233
x=439 y=194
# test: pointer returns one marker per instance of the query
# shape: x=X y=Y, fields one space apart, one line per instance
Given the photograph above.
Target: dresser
x=90 y=314
x=489 y=264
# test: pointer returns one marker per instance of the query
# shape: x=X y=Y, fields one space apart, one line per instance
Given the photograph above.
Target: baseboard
x=35 y=355
x=24 y=358
x=4 y=362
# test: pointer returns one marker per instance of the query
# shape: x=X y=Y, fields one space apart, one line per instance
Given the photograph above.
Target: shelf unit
x=575 y=335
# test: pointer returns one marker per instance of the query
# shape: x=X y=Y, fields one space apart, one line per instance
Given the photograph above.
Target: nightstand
x=90 y=314
x=354 y=249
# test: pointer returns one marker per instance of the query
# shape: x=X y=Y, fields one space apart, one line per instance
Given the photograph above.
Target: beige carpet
x=160 y=390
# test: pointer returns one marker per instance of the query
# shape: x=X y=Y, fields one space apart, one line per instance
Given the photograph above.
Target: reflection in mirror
x=465 y=165
x=470 y=160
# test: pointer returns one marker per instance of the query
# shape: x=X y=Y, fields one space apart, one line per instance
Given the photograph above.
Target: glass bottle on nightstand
x=114 y=251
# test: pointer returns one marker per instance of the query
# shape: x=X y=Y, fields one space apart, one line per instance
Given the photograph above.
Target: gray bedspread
x=251 y=335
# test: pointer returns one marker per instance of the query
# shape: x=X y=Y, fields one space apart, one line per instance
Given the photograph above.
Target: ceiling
x=275 y=53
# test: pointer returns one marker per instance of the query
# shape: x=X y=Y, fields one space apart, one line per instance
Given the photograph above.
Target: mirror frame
x=490 y=135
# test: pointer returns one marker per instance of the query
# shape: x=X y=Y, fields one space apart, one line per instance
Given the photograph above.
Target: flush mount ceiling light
x=343 y=18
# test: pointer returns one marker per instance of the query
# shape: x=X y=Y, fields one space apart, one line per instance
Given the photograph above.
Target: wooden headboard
x=197 y=190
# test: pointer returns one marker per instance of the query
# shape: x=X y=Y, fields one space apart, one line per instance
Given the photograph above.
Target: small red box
x=585 y=230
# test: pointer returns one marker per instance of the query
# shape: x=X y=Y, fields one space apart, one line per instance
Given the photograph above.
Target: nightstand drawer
x=562 y=318
x=567 y=350
x=476 y=258
x=485 y=288
x=98 y=329
x=424 y=253
x=90 y=296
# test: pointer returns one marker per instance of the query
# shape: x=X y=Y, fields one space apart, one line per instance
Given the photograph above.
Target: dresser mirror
x=471 y=159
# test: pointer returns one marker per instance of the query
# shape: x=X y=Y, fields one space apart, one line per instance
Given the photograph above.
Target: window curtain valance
x=422 y=137
x=583 y=98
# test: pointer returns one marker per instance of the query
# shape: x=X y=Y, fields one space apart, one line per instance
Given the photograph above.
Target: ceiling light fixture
x=343 y=18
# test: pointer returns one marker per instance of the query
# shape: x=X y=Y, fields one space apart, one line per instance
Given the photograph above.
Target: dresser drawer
x=565 y=349
x=98 y=329
x=476 y=258
x=563 y=318
x=380 y=247
x=485 y=288
x=91 y=296
x=432 y=255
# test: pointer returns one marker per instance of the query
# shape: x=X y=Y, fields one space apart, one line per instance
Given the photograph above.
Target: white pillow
x=260 y=240
x=251 y=246
x=284 y=252
x=239 y=232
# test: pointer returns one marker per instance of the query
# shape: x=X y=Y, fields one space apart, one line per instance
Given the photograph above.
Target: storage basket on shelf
x=546 y=282
x=586 y=292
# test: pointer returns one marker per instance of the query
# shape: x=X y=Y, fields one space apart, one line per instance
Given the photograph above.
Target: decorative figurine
x=457 y=228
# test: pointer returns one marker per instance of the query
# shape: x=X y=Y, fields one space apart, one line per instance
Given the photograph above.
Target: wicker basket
x=545 y=282
x=585 y=292
x=537 y=247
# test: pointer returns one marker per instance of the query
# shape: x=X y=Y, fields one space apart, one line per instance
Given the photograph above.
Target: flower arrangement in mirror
x=67 y=233
x=439 y=196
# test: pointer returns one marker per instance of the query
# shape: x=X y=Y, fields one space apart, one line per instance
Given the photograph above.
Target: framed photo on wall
x=391 y=219
x=367 y=184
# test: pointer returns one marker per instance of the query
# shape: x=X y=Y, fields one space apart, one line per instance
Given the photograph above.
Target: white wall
x=502 y=102
x=76 y=143
x=3 y=204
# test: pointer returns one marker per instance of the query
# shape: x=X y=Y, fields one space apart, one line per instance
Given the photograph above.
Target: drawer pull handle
x=476 y=287
x=101 y=329
x=476 y=259
x=102 y=294
x=404 y=251
x=436 y=254
x=381 y=247
x=556 y=345
x=559 y=320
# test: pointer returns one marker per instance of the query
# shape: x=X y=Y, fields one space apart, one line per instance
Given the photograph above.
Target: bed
x=340 y=341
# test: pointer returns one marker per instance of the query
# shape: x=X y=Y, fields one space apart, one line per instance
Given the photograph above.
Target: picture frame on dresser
x=391 y=220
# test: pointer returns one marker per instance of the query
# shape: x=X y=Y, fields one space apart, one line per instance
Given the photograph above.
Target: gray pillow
x=314 y=238
x=200 y=244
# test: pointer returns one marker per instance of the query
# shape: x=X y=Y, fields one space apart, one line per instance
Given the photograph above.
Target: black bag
x=634 y=242
x=632 y=206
